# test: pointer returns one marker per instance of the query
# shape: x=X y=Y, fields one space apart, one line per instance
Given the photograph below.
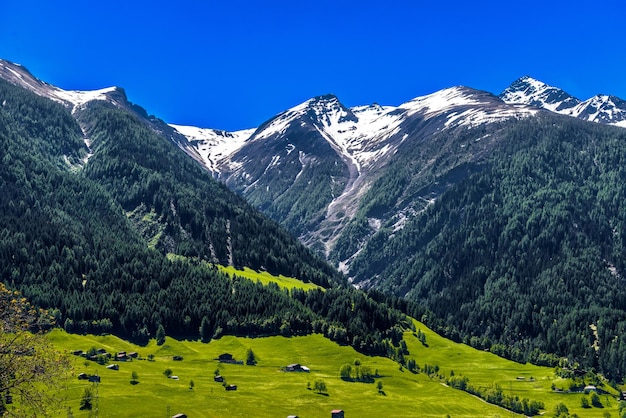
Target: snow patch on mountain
x=477 y=116
x=78 y=98
x=464 y=107
x=359 y=134
x=214 y=145
x=440 y=101
x=72 y=99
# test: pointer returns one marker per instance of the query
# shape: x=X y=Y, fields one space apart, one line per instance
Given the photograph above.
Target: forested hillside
x=179 y=207
x=527 y=251
x=86 y=232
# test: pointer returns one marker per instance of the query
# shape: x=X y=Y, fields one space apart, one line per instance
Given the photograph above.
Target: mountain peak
x=602 y=108
x=324 y=98
x=448 y=98
x=20 y=76
x=322 y=104
x=530 y=91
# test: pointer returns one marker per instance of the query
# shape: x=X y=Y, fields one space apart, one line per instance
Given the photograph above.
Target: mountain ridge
x=364 y=140
x=600 y=108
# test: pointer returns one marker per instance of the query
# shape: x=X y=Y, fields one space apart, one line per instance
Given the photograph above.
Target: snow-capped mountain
x=310 y=166
x=320 y=167
x=533 y=92
x=356 y=133
x=605 y=109
x=601 y=108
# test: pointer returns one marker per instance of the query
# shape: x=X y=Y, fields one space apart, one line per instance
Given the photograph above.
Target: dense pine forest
x=524 y=254
x=88 y=234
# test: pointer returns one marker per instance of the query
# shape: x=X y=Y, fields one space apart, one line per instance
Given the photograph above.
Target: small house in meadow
x=297 y=368
x=231 y=387
x=590 y=388
x=226 y=358
x=179 y=416
x=336 y=413
x=218 y=378
x=113 y=367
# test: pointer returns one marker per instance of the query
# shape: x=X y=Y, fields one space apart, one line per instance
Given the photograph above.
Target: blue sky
x=234 y=64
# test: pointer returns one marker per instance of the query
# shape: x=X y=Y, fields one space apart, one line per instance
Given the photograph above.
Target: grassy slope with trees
x=266 y=390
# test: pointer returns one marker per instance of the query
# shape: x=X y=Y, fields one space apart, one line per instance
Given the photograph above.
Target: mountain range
x=344 y=150
x=501 y=214
x=503 y=217
x=601 y=108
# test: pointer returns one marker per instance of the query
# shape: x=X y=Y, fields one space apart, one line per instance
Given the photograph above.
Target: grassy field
x=265 y=278
x=485 y=369
x=266 y=391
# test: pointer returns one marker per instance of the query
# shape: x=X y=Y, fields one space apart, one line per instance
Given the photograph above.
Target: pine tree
x=160 y=335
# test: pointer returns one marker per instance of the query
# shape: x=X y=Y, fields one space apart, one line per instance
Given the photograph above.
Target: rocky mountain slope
x=502 y=215
x=310 y=166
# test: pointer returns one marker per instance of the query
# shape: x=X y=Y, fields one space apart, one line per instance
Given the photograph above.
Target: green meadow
x=264 y=390
x=266 y=278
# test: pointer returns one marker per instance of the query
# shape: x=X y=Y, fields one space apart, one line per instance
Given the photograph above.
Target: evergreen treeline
x=526 y=252
x=192 y=214
x=91 y=243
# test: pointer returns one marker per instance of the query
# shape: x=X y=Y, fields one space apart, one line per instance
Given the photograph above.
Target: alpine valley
x=496 y=221
x=503 y=215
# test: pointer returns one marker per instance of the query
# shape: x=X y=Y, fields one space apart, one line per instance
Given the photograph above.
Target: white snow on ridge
x=78 y=98
x=439 y=101
x=472 y=111
x=477 y=116
x=359 y=134
x=214 y=145
x=600 y=108
x=280 y=123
